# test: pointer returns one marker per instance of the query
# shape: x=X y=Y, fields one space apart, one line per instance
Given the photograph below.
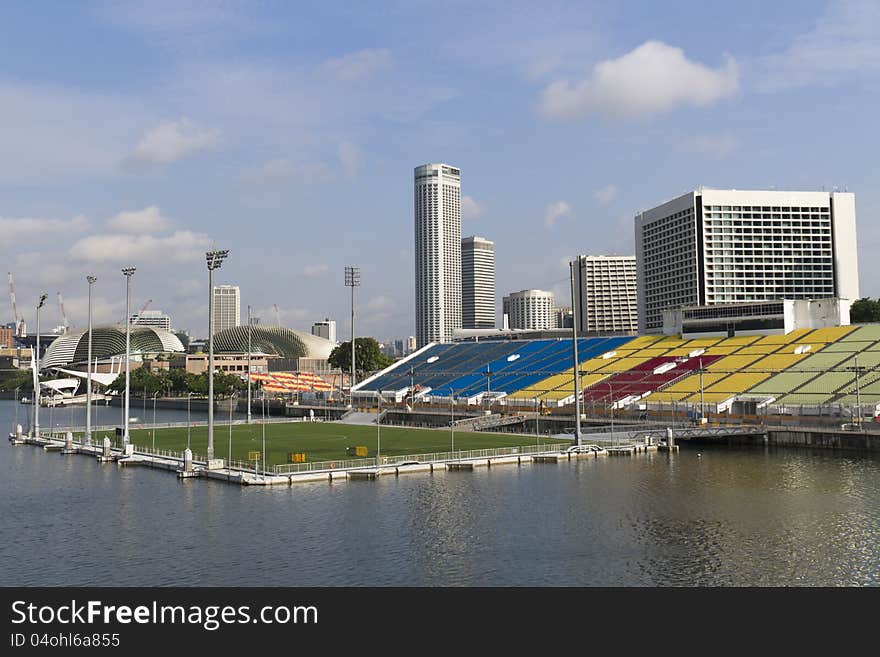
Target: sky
x=144 y=134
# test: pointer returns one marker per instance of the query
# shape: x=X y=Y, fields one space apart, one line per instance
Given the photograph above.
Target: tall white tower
x=227 y=307
x=437 y=252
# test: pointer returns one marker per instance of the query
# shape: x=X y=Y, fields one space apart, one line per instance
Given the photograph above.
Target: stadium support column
x=214 y=260
x=577 y=373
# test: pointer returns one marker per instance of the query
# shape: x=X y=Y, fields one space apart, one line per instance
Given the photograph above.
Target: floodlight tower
x=214 y=260
x=40 y=303
x=128 y=272
x=352 y=280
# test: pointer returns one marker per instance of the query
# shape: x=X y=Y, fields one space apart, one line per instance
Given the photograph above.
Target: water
x=724 y=517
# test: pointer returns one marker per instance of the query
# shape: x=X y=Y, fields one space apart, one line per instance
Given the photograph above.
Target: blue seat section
x=447 y=362
x=460 y=368
x=551 y=361
x=474 y=382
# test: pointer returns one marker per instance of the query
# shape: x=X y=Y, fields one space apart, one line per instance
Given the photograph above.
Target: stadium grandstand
x=804 y=368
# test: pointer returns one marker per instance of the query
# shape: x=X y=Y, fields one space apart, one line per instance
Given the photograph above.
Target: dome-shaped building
x=109 y=342
x=272 y=340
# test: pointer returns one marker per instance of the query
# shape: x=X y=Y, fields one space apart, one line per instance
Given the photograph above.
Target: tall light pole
x=128 y=272
x=214 y=260
x=91 y=281
x=37 y=371
x=352 y=280
x=577 y=368
x=249 y=367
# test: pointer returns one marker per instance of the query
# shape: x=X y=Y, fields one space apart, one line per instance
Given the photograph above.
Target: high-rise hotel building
x=437 y=200
x=227 y=307
x=530 y=310
x=605 y=294
x=714 y=246
x=477 y=283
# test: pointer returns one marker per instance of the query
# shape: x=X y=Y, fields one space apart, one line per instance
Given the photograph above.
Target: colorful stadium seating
x=803 y=367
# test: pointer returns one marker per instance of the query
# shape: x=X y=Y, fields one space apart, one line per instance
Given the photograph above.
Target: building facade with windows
x=325 y=329
x=154 y=318
x=477 y=283
x=606 y=294
x=437 y=210
x=530 y=309
x=227 y=307
x=714 y=246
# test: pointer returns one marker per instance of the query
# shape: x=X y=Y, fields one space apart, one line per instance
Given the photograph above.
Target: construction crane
x=64 y=321
x=19 y=321
x=141 y=311
x=277 y=315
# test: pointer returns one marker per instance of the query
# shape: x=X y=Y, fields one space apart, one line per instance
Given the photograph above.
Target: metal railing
x=430 y=457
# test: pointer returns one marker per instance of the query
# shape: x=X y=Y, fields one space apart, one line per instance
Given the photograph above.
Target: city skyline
x=191 y=137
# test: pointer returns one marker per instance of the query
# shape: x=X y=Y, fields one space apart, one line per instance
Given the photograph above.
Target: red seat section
x=641 y=380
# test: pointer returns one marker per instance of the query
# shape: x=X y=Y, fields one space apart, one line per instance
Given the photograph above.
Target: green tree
x=367 y=352
x=184 y=339
x=865 y=310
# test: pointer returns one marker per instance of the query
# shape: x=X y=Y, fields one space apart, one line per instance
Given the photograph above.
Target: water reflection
x=726 y=517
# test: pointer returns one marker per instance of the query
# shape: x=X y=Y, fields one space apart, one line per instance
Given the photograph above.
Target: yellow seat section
x=567 y=389
x=668 y=396
x=740 y=340
x=692 y=382
x=739 y=382
x=641 y=342
x=733 y=363
x=829 y=333
x=710 y=397
x=703 y=342
x=759 y=349
x=722 y=349
x=797 y=334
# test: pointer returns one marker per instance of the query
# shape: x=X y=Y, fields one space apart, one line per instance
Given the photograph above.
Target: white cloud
x=842 y=43
x=653 y=78
x=172 y=141
x=471 y=208
x=359 y=65
x=556 y=211
x=312 y=271
x=714 y=145
x=605 y=194
x=14 y=229
x=180 y=246
x=350 y=157
x=148 y=220
x=284 y=171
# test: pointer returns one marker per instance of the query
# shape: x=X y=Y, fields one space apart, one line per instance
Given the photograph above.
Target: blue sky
x=144 y=133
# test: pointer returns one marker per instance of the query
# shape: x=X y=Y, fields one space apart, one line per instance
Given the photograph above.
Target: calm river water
x=710 y=517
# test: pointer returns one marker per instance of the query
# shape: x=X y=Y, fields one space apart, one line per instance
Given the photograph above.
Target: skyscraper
x=477 y=283
x=227 y=307
x=605 y=294
x=437 y=201
x=714 y=246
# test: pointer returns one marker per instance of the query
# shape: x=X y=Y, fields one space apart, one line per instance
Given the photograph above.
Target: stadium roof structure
x=109 y=342
x=275 y=340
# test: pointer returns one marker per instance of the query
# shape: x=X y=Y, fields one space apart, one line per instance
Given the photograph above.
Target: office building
x=325 y=329
x=437 y=206
x=477 y=283
x=605 y=294
x=714 y=246
x=227 y=307
x=530 y=309
x=563 y=317
x=154 y=318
